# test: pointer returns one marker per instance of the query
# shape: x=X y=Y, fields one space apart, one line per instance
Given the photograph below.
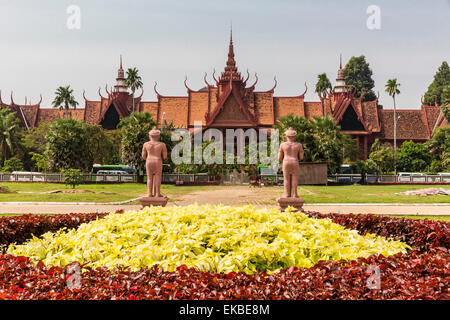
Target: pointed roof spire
x=340 y=80
x=231 y=71
x=120 y=72
x=231 y=63
x=340 y=71
x=120 y=80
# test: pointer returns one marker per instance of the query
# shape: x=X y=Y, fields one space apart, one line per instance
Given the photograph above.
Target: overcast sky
x=166 y=40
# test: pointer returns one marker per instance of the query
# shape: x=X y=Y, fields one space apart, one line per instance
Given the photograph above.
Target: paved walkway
x=384 y=209
x=230 y=196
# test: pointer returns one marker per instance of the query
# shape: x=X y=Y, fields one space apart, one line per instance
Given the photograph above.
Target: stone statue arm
x=144 y=152
x=300 y=152
x=164 y=152
x=281 y=154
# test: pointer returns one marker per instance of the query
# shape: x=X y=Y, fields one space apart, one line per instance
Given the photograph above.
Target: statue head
x=154 y=134
x=290 y=134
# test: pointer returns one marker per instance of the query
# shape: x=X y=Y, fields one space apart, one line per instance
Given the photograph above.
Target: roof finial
x=121 y=62
x=231 y=31
x=340 y=61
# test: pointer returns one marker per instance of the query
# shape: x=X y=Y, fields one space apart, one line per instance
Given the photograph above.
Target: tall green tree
x=67 y=145
x=133 y=81
x=10 y=135
x=391 y=88
x=64 y=99
x=383 y=156
x=445 y=102
x=439 y=145
x=323 y=87
x=358 y=75
x=135 y=129
x=101 y=148
x=435 y=90
x=414 y=157
x=34 y=138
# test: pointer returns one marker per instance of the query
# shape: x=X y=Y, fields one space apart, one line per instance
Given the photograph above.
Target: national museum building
x=231 y=102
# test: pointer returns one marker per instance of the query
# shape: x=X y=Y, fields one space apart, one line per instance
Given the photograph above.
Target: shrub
x=67 y=145
x=72 y=177
x=436 y=166
x=12 y=164
x=413 y=157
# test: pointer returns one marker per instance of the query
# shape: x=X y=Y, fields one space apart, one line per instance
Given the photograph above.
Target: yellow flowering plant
x=209 y=238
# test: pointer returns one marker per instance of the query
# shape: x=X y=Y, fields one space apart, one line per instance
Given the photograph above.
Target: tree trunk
x=133 y=99
x=395 y=136
x=67 y=111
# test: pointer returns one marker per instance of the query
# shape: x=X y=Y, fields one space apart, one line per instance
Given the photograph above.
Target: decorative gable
x=350 y=121
x=231 y=114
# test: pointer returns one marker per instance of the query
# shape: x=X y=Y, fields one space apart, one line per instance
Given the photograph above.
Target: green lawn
x=33 y=192
x=312 y=194
x=369 y=194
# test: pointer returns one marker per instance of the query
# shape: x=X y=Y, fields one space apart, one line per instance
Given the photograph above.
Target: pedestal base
x=297 y=203
x=153 y=201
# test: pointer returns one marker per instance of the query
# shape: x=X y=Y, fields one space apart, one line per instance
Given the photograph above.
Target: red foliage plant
x=423 y=273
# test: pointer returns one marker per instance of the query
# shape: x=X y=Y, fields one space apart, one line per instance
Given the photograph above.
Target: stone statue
x=290 y=153
x=154 y=152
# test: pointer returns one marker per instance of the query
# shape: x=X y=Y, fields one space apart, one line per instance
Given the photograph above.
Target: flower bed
x=20 y=228
x=420 y=274
x=208 y=238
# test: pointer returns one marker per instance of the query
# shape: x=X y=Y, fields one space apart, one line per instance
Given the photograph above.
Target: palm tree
x=391 y=88
x=133 y=81
x=9 y=127
x=322 y=87
x=64 y=99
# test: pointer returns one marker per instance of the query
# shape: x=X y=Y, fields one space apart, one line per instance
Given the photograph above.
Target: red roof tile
x=411 y=125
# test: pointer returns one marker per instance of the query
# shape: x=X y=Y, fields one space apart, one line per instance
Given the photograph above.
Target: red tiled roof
x=150 y=107
x=31 y=114
x=432 y=114
x=289 y=105
x=176 y=109
x=49 y=114
x=198 y=106
x=411 y=125
x=263 y=102
x=370 y=114
x=92 y=111
x=314 y=109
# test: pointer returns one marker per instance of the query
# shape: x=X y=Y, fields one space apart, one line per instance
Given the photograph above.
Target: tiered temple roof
x=231 y=103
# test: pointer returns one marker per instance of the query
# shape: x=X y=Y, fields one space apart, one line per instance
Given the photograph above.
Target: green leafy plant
x=358 y=75
x=208 y=238
x=40 y=161
x=64 y=99
x=413 y=157
x=72 y=177
x=12 y=164
x=383 y=156
x=10 y=135
x=67 y=145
